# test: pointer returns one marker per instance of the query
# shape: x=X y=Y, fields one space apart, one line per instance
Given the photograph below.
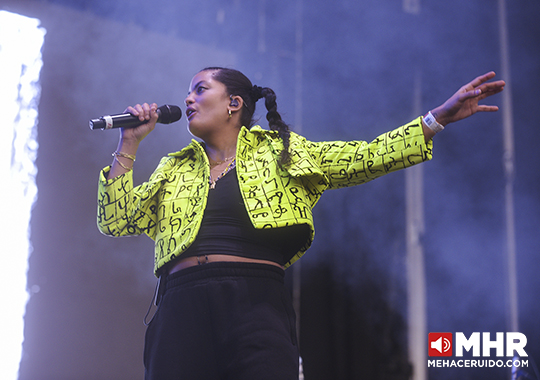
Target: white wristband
x=432 y=123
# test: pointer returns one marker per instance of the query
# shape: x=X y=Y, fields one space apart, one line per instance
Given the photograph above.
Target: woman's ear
x=236 y=103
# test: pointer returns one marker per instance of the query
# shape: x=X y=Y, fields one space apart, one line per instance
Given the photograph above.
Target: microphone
x=167 y=114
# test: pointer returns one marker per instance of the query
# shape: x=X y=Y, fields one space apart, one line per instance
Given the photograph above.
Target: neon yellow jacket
x=170 y=205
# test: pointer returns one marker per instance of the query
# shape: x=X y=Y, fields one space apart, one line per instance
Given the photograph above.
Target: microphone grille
x=169 y=114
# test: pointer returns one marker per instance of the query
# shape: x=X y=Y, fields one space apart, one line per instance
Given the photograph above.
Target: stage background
x=350 y=74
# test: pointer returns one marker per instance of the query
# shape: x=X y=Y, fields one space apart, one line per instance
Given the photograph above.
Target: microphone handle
x=118 y=121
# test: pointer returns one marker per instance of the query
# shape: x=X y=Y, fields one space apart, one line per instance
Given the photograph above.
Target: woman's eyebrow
x=196 y=85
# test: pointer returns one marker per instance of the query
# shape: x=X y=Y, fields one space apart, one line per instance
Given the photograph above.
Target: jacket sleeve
x=350 y=163
x=126 y=210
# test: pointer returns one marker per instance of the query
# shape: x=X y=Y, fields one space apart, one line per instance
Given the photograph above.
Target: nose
x=188 y=100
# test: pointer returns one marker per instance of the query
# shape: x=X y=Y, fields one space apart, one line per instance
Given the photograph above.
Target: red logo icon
x=440 y=344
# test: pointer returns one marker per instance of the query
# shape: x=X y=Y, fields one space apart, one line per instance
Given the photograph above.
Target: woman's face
x=207 y=103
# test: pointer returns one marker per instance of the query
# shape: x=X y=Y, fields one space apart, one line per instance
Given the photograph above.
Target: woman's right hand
x=124 y=157
x=145 y=112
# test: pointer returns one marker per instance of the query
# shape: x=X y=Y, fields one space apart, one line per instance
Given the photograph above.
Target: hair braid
x=276 y=123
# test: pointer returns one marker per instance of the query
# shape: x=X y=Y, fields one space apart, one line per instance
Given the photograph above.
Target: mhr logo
x=441 y=344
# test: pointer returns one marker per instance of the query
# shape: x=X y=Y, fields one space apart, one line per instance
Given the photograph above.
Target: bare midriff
x=205 y=259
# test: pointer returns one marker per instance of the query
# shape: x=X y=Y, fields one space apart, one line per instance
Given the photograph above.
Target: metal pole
x=416 y=283
x=508 y=161
x=298 y=104
x=415 y=226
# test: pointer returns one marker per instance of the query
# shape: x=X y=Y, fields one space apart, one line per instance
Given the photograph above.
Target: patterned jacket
x=170 y=205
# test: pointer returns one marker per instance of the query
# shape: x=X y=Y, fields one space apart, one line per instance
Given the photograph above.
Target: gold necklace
x=229 y=167
x=216 y=163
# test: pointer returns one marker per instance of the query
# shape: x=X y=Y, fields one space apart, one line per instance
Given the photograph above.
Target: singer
x=229 y=214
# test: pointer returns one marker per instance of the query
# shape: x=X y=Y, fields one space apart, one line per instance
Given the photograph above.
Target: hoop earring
x=230 y=114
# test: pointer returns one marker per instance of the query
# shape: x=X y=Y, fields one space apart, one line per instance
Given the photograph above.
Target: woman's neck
x=220 y=153
x=221 y=145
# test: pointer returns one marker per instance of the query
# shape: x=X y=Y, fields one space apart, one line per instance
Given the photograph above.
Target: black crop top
x=226 y=229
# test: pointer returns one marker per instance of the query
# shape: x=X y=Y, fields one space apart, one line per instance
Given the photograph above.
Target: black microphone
x=167 y=114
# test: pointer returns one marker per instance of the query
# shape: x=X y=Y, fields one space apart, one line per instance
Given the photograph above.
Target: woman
x=228 y=215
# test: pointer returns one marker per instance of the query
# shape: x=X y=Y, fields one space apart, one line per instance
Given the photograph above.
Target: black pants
x=223 y=321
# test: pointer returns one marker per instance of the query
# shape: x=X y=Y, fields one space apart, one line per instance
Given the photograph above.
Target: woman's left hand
x=464 y=102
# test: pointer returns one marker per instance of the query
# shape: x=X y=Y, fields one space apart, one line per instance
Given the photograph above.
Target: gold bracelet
x=121 y=164
x=125 y=155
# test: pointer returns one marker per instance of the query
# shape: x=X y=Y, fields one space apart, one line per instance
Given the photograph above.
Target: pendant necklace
x=229 y=167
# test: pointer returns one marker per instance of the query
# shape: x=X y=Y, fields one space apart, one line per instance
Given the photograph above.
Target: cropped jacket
x=170 y=205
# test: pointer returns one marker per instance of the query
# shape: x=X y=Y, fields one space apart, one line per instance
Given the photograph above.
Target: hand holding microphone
x=137 y=122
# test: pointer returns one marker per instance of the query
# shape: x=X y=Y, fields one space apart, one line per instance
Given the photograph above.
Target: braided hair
x=238 y=84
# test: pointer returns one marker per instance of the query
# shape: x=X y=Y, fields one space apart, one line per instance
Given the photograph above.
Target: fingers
x=489 y=89
x=482 y=79
x=482 y=108
x=493 y=87
x=483 y=90
x=143 y=111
